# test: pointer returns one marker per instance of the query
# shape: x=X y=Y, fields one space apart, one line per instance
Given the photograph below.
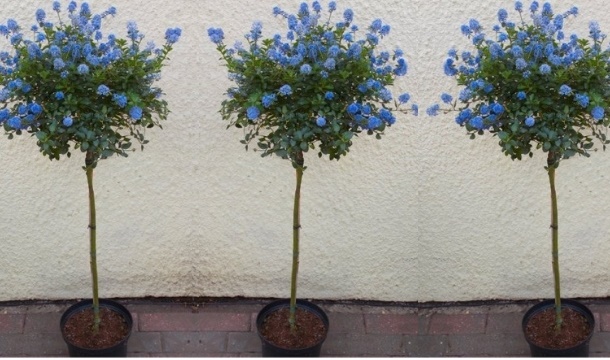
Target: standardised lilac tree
x=315 y=87
x=534 y=87
x=74 y=88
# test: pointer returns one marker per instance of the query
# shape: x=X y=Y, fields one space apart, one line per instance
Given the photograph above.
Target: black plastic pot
x=118 y=350
x=580 y=350
x=271 y=350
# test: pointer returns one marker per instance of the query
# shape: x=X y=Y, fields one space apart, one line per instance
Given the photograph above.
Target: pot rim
x=105 y=303
x=565 y=303
x=302 y=304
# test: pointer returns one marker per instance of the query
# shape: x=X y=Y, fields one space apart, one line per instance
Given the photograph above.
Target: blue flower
x=374 y=122
x=320 y=121
x=565 y=90
x=40 y=15
x=497 y=109
x=353 y=108
x=56 y=6
x=530 y=121
x=433 y=110
x=385 y=30
x=476 y=122
x=404 y=98
x=68 y=121
x=35 y=109
x=446 y=98
x=466 y=30
x=58 y=64
x=329 y=95
x=172 y=35
x=386 y=115
x=385 y=95
x=330 y=64
x=54 y=51
x=519 y=6
x=450 y=69
x=256 y=31
x=401 y=67
x=463 y=116
x=14 y=122
x=334 y=51
x=135 y=113
x=521 y=64
x=484 y=109
x=474 y=25
x=216 y=35
x=4 y=114
x=415 y=109
x=82 y=69
x=354 y=50
x=120 y=100
x=252 y=113
x=582 y=100
x=496 y=50
x=268 y=100
x=478 y=39
x=59 y=95
x=594 y=31
x=366 y=109
x=598 y=113
x=285 y=90
x=103 y=90
x=502 y=15
x=545 y=69
x=348 y=15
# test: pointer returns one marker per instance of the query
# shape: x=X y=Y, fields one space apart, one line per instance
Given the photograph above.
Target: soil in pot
x=78 y=329
x=541 y=329
x=276 y=329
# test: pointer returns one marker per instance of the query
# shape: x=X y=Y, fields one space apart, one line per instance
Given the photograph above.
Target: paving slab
x=227 y=329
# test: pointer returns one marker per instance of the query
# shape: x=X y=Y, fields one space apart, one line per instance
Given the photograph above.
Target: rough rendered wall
x=423 y=215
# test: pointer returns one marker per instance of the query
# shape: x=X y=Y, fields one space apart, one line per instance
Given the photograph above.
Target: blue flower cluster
x=46 y=81
x=531 y=82
x=310 y=71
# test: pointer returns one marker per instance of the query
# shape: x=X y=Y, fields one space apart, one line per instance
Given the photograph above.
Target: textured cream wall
x=423 y=215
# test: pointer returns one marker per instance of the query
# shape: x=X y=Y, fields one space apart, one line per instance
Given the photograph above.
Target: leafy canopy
x=317 y=85
x=533 y=85
x=69 y=85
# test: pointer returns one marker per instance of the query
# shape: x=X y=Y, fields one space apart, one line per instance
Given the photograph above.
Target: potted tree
x=73 y=88
x=313 y=89
x=536 y=88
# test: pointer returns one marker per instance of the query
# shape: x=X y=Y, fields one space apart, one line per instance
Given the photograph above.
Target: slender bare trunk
x=89 y=166
x=555 y=240
x=296 y=226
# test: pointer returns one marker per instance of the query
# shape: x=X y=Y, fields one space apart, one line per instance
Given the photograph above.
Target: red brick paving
x=207 y=321
x=457 y=324
x=163 y=328
x=391 y=324
x=11 y=323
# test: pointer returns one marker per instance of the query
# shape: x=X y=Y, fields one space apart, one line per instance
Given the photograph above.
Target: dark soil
x=540 y=329
x=276 y=329
x=79 y=329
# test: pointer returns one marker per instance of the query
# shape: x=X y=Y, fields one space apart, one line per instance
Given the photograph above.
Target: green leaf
x=41 y=135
